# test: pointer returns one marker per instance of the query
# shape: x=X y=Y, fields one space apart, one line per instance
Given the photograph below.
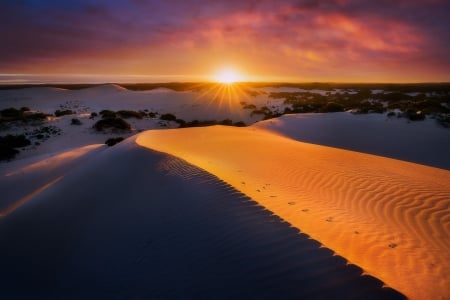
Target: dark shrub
x=75 y=122
x=15 y=141
x=107 y=114
x=227 y=122
x=35 y=116
x=332 y=107
x=181 y=122
x=8 y=144
x=112 y=141
x=60 y=113
x=11 y=114
x=25 y=108
x=129 y=114
x=415 y=115
x=168 y=117
x=239 y=124
x=249 y=106
x=93 y=115
x=7 y=153
x=391 y=114
x=115 y=123
x=152 y=115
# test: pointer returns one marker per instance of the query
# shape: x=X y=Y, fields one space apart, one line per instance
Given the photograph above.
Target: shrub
x=75 y=122
x=168 y=117
x=115 y=123
x=93 y=115
x=8 y=144
x=60 y=113
x=181 y=122
x=239 y=124
x=112 y=141
x=249 y=106
x=227 y=122
x=11 y=113
x=108 y=114
x=415 y=115
x=332 y=107
x=129 y=114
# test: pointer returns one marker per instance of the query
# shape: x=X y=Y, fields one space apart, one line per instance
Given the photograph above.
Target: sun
x=227 y=76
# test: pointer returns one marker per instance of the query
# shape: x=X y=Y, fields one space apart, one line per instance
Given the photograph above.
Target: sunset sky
x=190 y=40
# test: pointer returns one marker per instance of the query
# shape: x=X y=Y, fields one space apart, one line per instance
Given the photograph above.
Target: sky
x=191 y=40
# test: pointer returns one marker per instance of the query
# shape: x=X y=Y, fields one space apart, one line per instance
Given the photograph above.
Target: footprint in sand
x=305 y=210
x=330 y=219
x=392 y=245
x=291 y=203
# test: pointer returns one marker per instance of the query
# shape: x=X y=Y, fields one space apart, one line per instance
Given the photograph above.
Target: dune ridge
x=390 y=217
x=173 y=231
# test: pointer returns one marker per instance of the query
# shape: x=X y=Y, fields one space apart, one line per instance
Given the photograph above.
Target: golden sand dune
x=136 y=224
x=390 y=217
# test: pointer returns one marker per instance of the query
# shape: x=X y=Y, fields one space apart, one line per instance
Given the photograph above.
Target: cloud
x=282 y=35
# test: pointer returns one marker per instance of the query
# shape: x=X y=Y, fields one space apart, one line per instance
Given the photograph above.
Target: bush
x=129 y=114
x=60 y=113
x=108 y=114
x=112 y=141
x=115 y=123
x=415 y=115
x=168 y=117
x=239 y=124
x=227 y=122
x=332 y=107
x=75 y=122
x=8 y=144
x=11 y=113
x=181 y=122
x=93 y=115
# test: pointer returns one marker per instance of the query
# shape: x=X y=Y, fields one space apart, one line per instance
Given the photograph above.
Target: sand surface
x=390 y=217
x=135 y=224
x=222 y=211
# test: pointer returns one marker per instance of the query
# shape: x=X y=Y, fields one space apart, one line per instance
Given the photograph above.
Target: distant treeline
x=437 y=87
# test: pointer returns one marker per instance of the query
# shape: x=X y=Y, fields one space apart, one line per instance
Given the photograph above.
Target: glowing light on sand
x=227 y=76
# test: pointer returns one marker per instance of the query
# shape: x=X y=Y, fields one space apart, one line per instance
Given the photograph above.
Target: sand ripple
x=388 y=216
x=172 y=231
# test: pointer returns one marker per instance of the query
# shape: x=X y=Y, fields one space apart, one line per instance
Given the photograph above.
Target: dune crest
x=173 y=231
x=388 y=216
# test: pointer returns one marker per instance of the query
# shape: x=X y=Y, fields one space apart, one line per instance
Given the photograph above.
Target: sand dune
x=91 y=221
x=422 y=142
x=19 y=185
x=388 y=216
x=135 y=224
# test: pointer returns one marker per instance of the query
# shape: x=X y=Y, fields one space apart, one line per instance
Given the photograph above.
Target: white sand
x=423 y=142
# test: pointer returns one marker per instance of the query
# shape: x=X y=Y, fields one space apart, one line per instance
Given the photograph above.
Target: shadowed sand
x=388 y=216
x=135 y=224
